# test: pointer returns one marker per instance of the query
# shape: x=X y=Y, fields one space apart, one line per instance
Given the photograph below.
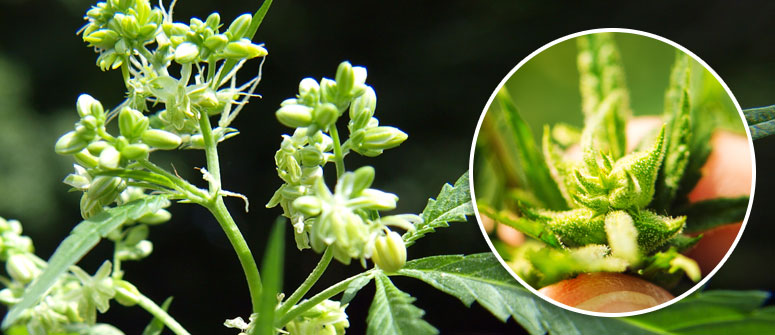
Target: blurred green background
x=433 y=65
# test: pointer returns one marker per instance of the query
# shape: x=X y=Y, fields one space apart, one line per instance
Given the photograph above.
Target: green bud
x=243 y=49
x=311 y=156
x=105 y=189
x=126 y=293
x=328 y=90
x=136 y=234
x=89 y=122
x=84 y=158
x=21 y=268
x=136 y=151
x=389 y=252
x=362 y=108
x=103 y=38
x=307 y=205
x=110 y=158
x=86 y=105
x=325 y=115
x=383 y=137
x=213 y=21
x=294 y=116
x=375 y=199
x=161 y=139
x=155 y=218
x=239 y=28
x=186 y=53
x=132 y=123
x=69 y=144
x=95 y=148
x=309 y=91
x=216 y=42
x=89 y=206
x=362 y=179
x=345 y=78
x=77 y=181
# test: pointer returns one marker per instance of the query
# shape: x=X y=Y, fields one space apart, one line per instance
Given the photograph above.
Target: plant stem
x=179 y=182
x=338 y=156
x=318 y=298
x=150 y=306
x=240 y=246
x=308 y=283
x=221 y=213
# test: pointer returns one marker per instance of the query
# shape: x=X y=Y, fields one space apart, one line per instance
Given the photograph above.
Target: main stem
x=151 y=307
x=221 y=213
x=338 y=156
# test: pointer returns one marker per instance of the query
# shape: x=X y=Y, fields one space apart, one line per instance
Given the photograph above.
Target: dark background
x=433 y=65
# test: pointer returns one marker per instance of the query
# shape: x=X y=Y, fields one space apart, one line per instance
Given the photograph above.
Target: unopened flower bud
x=309 y=91
x=110 y=158
x=243 y=49
x=69 y=144
x=376 y=199
x=161 y=139
x=216 y=42
x=213 y=21
x=132 y=123
x=95 y=148
x=126 y=293
x=186 y=53
x=325 y=115
x=294 y=116
x=85 y=158
x=383 y=137
x=311 y=156
x=345 y=78
x=103 y=38
x=363 y=107
x=136 y=234
x=307 y=205
x=21 y=268
x=155 y=218
x=136 y=151
x=362 y=179
x=239 y=28
x=89 y=206
x=104 y=189
x=389 y=252
x=86 y=105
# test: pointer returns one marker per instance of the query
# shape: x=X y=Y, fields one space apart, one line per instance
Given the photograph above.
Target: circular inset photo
x=612 y=172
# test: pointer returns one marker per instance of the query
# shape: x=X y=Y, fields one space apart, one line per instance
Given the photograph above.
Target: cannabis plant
x=608 y=209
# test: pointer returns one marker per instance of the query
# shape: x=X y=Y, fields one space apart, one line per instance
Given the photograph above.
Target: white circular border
x=479 y=126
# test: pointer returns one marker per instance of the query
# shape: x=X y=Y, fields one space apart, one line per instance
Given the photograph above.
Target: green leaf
x=536 y=173
x=258 y=17
x=481 y=278
x=604 y=95
x=83 y=238
x=677 y=134
x=534 y=229
x=272 y=268
x=759 y=115
x=452 y=205
x=762 y=130
x=707 y=214
x=156 y=325
x=353 y=288
x=392 y=312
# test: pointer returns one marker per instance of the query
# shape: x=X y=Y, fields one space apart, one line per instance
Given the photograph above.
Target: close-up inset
x=612 y=172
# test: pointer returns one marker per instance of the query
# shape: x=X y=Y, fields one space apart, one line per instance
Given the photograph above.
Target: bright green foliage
x=452 y=205
x=156 y=326
x=711 y=213
x=392 y=312
x=272 y=267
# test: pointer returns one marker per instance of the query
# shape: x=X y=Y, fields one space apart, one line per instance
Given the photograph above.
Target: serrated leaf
x=677 y=134
x=353 y=288
x=536 y=173
x=762 y=130
x=534 y=229
x=759 y=114
x=481 y=278
x=704 y=215
x=83 y=238
x=452 y=205
x=392 y=312
x=156 y=326
x=272 y=281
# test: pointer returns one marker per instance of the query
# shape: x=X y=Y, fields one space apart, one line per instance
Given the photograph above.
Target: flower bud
x=309 y=91
x=213 y=21
x=110 y=158
x=161 y=139
x=383 y=137
x=243 y=49
x=362 y=179
x=77 y=181
x=328 y=90
x=375 y=199
x=86 y=105
x=155 y=218
x=69 y=144
x=308 y=205
x=126 y=293
x=135 y=151
x=186 y=53
x=311 y=156
x=132 y=123
x=95 y=148
x=103 y=38
x=325 y=115
x=239 y=27
x=21 y=268
x=89 y=206
x=345 y=78
x=362 y=108
x=105 y=189
x=294 y=116
x=84 y=158
x=136 y=234
x=216 y=42
x=389 y=252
